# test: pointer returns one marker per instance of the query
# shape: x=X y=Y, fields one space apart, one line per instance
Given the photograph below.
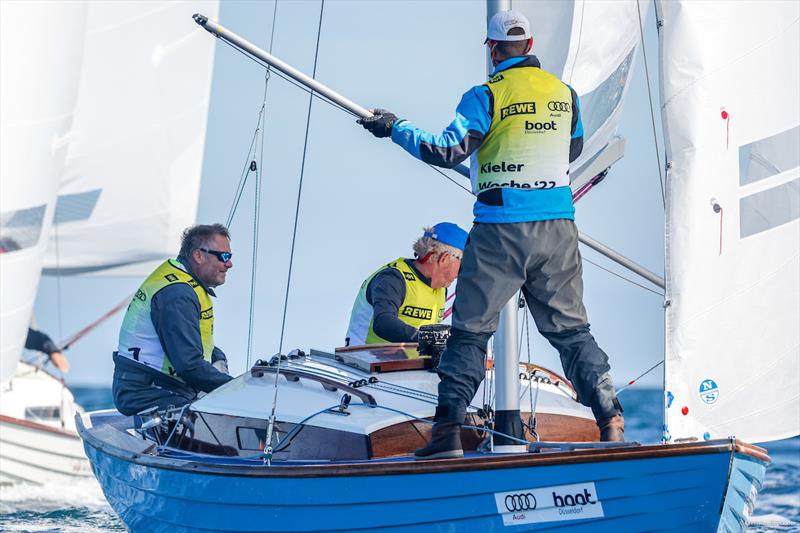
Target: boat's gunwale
x=489 y=462
x=30 y=424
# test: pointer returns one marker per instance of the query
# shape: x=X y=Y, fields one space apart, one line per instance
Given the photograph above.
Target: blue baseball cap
x=448 y=233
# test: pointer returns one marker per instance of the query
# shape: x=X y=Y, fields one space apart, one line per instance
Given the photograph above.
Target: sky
x=364 y=201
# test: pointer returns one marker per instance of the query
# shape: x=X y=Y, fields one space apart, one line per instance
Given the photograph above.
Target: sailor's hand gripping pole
x=243 y=44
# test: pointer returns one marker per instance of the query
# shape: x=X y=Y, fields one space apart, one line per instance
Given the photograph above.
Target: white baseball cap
x=503 y=21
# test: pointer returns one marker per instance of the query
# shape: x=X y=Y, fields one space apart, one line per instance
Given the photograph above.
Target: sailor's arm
x=41 y=342
x=176 y=316
x=576 y=141
x=458 y=140
x=386 y=293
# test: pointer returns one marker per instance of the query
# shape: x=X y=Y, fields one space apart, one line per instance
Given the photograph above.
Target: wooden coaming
x=405 y=437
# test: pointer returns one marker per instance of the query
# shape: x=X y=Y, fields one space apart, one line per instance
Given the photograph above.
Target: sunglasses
x=222 y=256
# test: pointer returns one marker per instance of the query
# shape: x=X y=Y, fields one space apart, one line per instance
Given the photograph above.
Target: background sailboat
x=130 y=175
x=38 y=89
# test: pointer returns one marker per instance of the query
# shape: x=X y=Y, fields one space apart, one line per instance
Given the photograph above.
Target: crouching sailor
x=399 y=297
x=166 y=353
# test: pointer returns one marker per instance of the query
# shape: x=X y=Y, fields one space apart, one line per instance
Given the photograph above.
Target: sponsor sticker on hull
x=549 y=504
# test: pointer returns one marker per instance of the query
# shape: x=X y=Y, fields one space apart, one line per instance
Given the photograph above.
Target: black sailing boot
x=445 y=439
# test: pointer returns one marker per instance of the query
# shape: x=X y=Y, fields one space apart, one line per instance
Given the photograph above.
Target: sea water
x=80 y=507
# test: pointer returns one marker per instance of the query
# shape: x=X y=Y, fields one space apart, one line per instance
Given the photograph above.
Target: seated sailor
x=166 y=353
x=399 y=297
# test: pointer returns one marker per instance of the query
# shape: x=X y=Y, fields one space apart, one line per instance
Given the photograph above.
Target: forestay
x=37 y=94
x=591 y=46
x=731 y=79
x=136 y=151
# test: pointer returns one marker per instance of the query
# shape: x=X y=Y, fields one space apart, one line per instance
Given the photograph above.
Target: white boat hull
x=37 y=453
x=38 y=441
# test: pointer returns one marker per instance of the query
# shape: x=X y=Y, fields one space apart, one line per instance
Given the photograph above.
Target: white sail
x=731 y=79
x=40 y=57
x=136 y=152
x=591 y=46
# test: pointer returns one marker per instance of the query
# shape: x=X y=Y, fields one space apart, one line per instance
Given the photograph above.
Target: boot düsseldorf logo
x=549 y=504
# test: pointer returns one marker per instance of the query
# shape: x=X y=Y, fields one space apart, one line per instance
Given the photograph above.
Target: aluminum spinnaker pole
x=216 y=29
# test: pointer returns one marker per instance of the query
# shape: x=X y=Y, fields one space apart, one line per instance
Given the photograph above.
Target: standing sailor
x=522 y=129
x=166 y=352
x=399 y=297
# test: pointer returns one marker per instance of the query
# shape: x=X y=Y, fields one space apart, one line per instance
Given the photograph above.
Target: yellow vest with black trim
x=421 y=305
x=138 y=339
x=527 y=146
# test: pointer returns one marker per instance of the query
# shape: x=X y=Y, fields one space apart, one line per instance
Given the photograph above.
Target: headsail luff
x=574 y=40
x=135 y=161
x=731 y=79
x=37 y=93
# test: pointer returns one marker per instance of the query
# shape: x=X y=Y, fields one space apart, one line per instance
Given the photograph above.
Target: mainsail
x=40 y=58
x=591 y=46
x=136 y=153
x=731 y=79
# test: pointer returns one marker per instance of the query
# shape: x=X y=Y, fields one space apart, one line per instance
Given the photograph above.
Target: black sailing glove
x=380 y=123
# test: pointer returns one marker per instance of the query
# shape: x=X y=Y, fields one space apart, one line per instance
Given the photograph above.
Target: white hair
x=425 y=245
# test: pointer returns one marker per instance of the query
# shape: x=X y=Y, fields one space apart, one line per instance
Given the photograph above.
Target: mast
x=506 y=350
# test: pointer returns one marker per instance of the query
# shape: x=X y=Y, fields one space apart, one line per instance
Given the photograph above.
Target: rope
x=66 y=344
x=243 y=178
x=640 y=376
x=268 y=441
x=58 y=278
x=620 y=276
x=300 y=186
x=652 y=113
x=257 y=203
x=290 y=80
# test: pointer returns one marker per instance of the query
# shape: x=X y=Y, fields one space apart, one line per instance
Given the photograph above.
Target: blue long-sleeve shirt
x=465 y=134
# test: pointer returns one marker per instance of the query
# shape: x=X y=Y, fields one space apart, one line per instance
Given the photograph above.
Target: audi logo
x=520 y=502
x=558 y=106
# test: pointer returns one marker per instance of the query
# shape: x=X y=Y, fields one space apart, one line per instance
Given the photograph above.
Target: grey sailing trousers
x=542 y=259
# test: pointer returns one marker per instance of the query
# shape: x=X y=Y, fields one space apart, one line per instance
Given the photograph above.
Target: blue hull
x=698 y=487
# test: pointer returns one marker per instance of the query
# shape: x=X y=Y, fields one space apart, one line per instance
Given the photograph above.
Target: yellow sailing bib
x=138 y=339
x=527 y=146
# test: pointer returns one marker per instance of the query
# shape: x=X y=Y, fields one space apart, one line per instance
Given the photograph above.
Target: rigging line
x=631 y=382
x=620 y=276
x=59 y=308
x=457 y=184
x=330 y=103
x=259 y=169
x=290 y=80
x=243 y=178
x=652 y=113
x=300 y=185
x=271 y=426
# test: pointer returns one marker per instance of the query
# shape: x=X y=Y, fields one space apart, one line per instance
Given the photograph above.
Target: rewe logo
x=522 y=108
x=569 y=500
x=539 y=126
x=417 y=312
